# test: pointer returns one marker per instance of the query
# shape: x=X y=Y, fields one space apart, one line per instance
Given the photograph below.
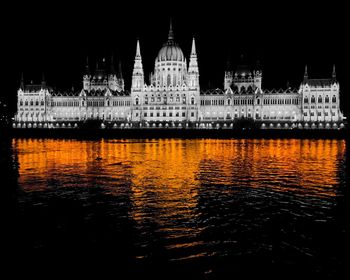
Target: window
x=319 y=114
x=21 y=103
x=145 y=114
x=137 y=101
x=192 y=114
x=326 y=100
x=334 y=99
x=183 y=114
x=170 y=114
x=313 y=100
x=319 y=99
x=192 y=100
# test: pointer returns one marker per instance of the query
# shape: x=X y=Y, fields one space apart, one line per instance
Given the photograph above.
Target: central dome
x=170 y=50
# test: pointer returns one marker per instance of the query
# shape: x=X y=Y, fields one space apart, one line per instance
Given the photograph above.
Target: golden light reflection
x=166 y=176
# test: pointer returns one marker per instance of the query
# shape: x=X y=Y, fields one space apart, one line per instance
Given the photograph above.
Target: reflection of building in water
x=177 y=167
x=173 y=98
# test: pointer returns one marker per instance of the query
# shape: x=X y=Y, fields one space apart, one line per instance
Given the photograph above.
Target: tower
x=258 y=75
x=137 y=73
x=228 y=75
x=120 y=77
x=87 y=75
x=112 y=78
x=193 y=72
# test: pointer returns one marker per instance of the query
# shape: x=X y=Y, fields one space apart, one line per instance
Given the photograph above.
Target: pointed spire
x=22 y=82
x=305 y=73
x=334 y=74
x=120 y=70
x=171 y=33
x=112 y=65
x=87 y=67
x=138 y=60
x=193 y=50
x=138 y=52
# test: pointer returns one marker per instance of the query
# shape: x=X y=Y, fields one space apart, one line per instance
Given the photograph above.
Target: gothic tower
x=137 y=74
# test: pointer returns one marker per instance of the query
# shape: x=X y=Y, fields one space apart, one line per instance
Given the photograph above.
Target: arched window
x=21 y=103
x=36 y=103
x=306 y=100
x=313 y=99
x=168 y=80
x=326 y=100
x=42 y=102
x=192 y=100
x=319 y=99
x=26 y=103
x=137 y=101
x=31 y=102
x=229 y=101
x=334 y=99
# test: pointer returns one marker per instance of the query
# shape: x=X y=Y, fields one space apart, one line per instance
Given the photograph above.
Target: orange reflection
x=166 y=176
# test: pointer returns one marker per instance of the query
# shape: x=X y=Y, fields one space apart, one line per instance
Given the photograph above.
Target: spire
x=305 y=73
x=22 y=82
x=334 y=74
x=112 y=65
x=193 y=50
x=120 y=70
x=87 y=68
x=138 y=52
x=138 y=60
x=171 y=33
x=43 y=82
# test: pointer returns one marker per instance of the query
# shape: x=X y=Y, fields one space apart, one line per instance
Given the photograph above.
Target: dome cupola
x=170 y=50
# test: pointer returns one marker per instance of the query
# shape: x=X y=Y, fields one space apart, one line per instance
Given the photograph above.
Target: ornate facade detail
x=173 y=97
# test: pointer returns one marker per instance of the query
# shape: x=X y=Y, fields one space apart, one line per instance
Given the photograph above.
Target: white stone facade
x=173 y=98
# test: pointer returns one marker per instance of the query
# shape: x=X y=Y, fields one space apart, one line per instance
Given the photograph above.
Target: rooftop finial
x=334 y=74
x=43 y=82
x=22 y=82
x=305 y=73
x=171 y=33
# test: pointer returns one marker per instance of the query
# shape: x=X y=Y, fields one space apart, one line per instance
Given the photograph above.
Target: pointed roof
x=193 y=50
x=138 y=52
x=171 y=32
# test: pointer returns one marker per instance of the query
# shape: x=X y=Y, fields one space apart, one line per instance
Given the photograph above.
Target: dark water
x=206 y=209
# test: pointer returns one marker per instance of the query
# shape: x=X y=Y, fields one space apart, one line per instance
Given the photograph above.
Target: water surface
x=203 y=208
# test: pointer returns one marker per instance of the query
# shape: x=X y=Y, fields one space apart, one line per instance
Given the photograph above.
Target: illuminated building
x=173 y=98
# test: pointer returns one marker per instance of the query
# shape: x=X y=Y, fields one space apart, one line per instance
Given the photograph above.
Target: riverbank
x=178 y=133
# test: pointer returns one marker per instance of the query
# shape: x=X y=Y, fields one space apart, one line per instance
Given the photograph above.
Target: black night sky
x=56 y=37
